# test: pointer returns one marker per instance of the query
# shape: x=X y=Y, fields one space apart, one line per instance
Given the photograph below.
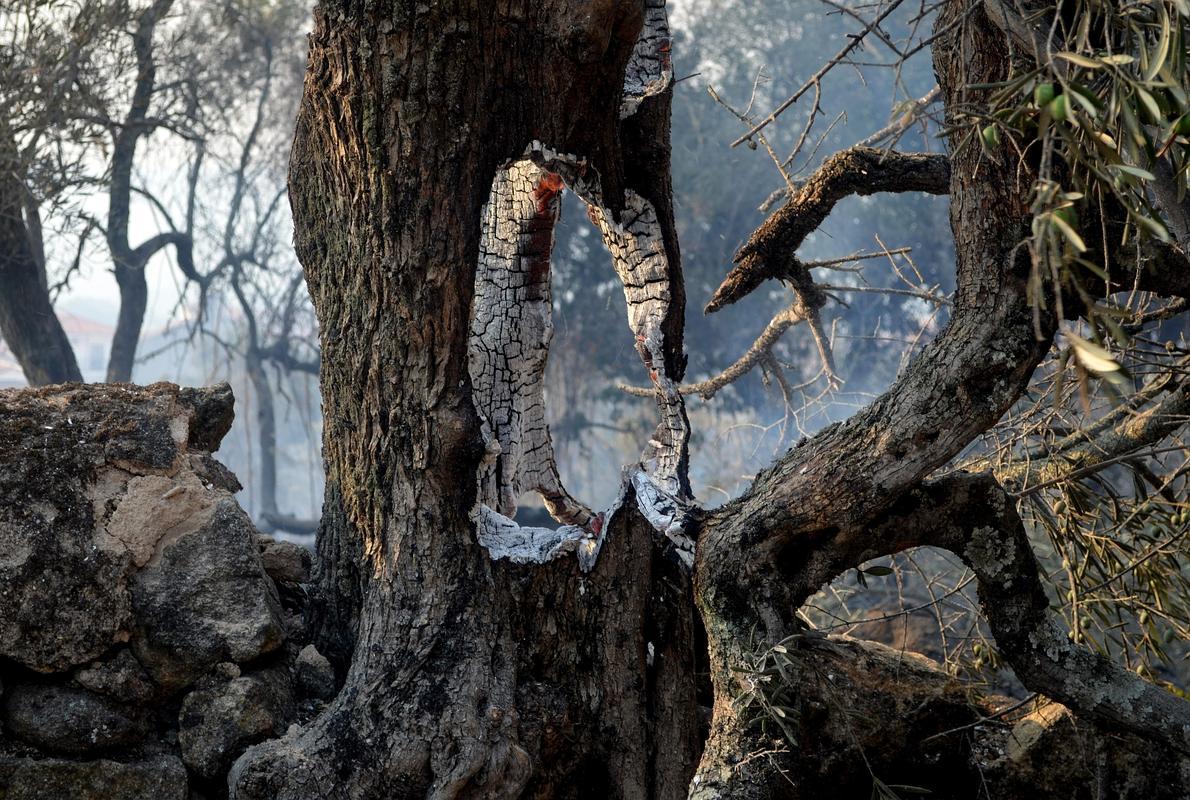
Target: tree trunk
x=467 y=677
x=269 y=516
x=134 y=299
x=129 y=263
x=266 y=432
x=27 y=320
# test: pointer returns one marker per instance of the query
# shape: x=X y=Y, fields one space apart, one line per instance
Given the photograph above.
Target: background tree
x=97 y=92
x=146 y=134
x=251 y=299
x=48 y=65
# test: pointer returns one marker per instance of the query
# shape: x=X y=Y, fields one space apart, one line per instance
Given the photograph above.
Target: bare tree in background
x=49 y=64
x=98 y=91
x=251 y=296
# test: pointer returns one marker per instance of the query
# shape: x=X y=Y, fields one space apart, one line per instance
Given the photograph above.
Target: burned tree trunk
x=539 y=674
x=485 y=659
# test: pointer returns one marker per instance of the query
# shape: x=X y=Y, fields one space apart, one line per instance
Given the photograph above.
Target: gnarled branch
x=973 y=517
x=857 y=171
x=783 y=321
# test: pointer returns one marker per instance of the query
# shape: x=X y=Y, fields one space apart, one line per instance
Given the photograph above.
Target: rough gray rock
x=67 y=456
x=219 y=719
x=127 y=572
x=315 y=675
x=285 y=562
x=120 y=677
x=205 y=599
x=159 y=778
x=63 y=719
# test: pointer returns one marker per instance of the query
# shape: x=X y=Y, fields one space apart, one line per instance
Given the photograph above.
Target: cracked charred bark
x=478 y=659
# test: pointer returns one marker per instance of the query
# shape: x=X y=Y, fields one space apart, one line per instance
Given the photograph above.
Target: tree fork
x=809 y=518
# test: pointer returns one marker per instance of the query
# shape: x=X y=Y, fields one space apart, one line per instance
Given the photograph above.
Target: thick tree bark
x=840 y=499
x=809 y=518
x=467 y=677
x=28 y=323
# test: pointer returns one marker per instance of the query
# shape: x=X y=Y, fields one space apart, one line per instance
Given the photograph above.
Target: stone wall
x=148 y=632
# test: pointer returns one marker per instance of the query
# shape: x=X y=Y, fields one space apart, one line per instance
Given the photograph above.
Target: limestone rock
x=285 y=562
x=63 y=719
x=67 y=456
x=220 y=719
x=128 y=572
x=205 y=599
x=212 y=472
x=159 y=778
x=62 y=600
x=212 y=412
x=315 y=676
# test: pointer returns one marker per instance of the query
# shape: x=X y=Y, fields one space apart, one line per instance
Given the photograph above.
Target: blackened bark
x=646 y=138
x=859 y=171
x=338 y=584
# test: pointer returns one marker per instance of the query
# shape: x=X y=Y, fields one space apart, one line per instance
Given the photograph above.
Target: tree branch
x=279 y=354
x=833 y=485
x=1086 y=452
x=854 y=40
x=783 y=321
x=1165 y=271
x=973 y=517
x=902 y=123
x=289 y=523
x=857 y=171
